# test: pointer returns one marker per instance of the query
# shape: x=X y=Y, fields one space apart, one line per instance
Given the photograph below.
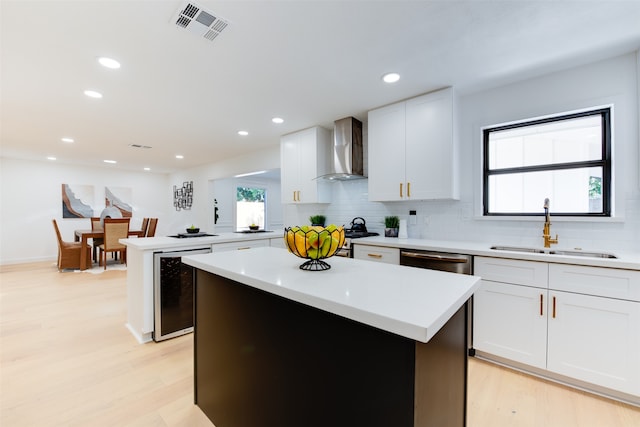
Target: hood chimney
x=348 y=151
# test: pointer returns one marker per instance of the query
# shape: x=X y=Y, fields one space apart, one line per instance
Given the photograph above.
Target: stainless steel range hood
x=348 y=152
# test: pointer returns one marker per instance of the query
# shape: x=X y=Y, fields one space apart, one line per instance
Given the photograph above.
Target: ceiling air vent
x=205 y=24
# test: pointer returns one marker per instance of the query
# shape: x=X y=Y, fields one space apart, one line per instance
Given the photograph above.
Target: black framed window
x=566 y=158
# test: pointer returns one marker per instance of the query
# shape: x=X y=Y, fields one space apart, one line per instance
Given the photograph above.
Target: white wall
x=224 y=190
x=30 y=196
x=201 y=212
x=614 y=81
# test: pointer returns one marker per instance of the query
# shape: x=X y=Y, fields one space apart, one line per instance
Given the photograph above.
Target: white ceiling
x=310 y=62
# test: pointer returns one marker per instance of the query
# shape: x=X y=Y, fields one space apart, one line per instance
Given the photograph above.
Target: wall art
x=120 y=198
x=183 y=197
x=77 y=200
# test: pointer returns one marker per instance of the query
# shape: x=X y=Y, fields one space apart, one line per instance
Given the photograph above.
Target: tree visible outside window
x=566 y=158
x=250 y=207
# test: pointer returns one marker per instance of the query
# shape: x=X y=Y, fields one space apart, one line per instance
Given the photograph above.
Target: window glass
x=564 y=158
x=250 y=207
x=549 y=143
x=571 y=191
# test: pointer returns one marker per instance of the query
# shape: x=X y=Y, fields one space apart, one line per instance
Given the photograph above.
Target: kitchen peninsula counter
x=360 y=344
x=173 y=243
x=140 y=269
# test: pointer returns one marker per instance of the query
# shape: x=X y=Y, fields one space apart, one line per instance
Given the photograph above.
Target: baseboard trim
x=142 y=339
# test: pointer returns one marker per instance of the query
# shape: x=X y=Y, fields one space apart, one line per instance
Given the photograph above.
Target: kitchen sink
x=519 y=249
x=580 y=253
x=585 y=254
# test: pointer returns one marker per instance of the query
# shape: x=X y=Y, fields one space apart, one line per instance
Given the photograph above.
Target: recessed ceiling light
x=277 y=120
x=147 y=169
x=179 y=156
x=109 y=62
x=93 y=94
x=51 y=158
x=391 y=77
x=243 y=133
x=67 y=140
x=110 y=161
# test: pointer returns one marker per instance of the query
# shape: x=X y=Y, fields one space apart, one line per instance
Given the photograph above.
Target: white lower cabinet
x=595 y=339
x=377 y=254
x=508 y=322
x=237 y=246
x=580 y=322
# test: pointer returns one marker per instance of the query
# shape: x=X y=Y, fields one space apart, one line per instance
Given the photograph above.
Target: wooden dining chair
x=151 y=231
x=96 y=225
x=69 y=252
x=143 y=228
x=114 y=230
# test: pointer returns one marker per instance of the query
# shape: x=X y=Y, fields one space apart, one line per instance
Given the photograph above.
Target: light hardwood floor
x=66 y=359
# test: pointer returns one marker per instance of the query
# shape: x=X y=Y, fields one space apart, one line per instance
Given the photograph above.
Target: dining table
x=84 y=235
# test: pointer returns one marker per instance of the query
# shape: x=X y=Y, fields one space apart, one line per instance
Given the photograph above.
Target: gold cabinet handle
x=408 y=189
x=554 y=307
x=374 y=255
x=541 y=312
x=294 y=195
x=243 y=248
x=400 y=189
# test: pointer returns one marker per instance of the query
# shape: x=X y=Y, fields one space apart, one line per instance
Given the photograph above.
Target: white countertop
x=625 y=260
x=410 y=302
x=166 y=242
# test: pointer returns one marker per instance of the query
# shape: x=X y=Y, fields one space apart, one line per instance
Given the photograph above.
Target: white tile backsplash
x=454 y=220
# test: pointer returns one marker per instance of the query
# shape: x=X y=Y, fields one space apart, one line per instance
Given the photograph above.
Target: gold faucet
x=546 y=231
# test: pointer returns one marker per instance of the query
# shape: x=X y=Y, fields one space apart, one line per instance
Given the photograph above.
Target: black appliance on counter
x=358 y=229
x=173 y=284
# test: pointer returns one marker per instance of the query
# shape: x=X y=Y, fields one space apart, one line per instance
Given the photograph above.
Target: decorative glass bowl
x=314 y=243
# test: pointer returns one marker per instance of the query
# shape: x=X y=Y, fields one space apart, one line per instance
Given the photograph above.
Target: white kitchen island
x=360 y=344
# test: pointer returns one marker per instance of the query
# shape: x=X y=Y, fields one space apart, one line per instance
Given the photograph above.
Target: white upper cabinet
x=387 y=152
x=304 y=156
x=413 y=150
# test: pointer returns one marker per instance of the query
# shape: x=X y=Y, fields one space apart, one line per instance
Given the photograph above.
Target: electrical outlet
x=413 y=218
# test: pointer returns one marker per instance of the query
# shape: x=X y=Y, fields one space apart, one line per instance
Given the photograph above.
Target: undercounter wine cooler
x=173 y=284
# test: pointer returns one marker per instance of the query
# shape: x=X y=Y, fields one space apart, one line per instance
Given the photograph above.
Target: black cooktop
x=187 y=235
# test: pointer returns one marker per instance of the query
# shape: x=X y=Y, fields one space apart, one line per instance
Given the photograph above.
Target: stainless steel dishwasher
x=443 y=261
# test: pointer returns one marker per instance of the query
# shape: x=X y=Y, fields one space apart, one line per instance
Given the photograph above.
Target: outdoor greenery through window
x=565 y=158
x=250 y=207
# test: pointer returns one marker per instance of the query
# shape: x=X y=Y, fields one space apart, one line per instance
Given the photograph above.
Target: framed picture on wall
x=120 y=198
x=77 y=201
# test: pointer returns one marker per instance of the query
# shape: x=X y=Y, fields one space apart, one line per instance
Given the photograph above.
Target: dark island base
x=262 y=360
